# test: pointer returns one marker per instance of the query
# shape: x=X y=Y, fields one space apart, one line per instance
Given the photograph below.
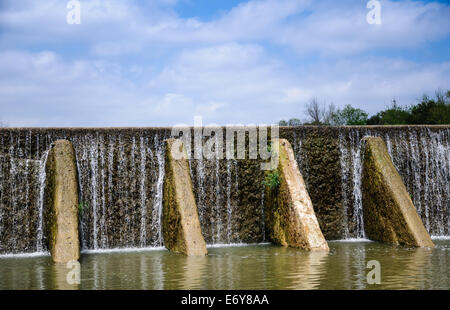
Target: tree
x=395 y=115
x=427 y=111
x=315 y=112
x=349 y=116
x=328 y=115
x=294 y=122
x=431 y=111
x=291 y=122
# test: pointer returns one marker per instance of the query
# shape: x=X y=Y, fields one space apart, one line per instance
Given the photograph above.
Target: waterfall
x=103 y=195
x=157 y=207
x=218 y=200
x=199 y=180
x=345 y=170
x=121 y=173
x=216 y=188
x=110 y=168
x=263 y=217
x=1 y=197
x=232 y=185
x=229 y=209
x=40 y=202
x=93 y=160
x=422 y=158
x=143 y=192
x=357 y=179
x=22 y=183
x=350 y=149
x=13 y=190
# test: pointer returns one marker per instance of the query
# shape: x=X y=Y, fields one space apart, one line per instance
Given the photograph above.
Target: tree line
x=427 y=111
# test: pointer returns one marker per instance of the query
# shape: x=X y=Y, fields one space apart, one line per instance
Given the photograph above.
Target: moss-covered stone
x=290 y=217
x=389 y=214
x=181 y=225
x=63 y=192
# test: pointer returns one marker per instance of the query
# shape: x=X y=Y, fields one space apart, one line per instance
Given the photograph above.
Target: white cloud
x=328 y=27
x=44 y=89
x=144 y=65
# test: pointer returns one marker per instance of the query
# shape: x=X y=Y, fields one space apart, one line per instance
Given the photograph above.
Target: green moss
x=389 y=215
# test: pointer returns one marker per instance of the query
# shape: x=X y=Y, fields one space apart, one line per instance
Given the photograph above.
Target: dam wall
x=121 y=174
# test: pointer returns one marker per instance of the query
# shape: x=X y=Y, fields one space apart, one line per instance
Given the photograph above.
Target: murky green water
x=247 y=267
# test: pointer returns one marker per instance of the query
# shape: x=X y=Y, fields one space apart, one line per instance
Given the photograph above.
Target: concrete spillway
x=290 y=217
x=121 y=174
x=389 y=214
x=181 y=226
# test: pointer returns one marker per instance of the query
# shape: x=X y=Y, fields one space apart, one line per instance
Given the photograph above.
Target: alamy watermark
x=374 y=275
x=211 y=146
x=73 y=277
x=374 y=15
x=74 y=14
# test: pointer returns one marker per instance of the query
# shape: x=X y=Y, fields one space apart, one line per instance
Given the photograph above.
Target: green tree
x=349 y=116
x=294 y=122
x=431 y=111
x=395 y=115
x=291 y=122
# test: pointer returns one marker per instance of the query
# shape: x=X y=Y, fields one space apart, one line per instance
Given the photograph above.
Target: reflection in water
x=410 y=269
x=249 y=267
x=194 y=269
x=308 y=269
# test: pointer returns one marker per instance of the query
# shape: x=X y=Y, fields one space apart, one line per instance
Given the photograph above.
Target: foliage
x=427 y=111
x=431 y=111
x=272 y=180
x=395 y=115
x=294 y=122
x=349 y=116
x=291 y=122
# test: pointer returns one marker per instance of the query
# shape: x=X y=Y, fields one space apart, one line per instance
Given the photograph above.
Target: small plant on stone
x=80 y=208
x=272 y=180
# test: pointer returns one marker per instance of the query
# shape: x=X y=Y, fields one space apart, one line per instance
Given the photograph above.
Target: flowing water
x=422 y=158
x=121 y=174
x=241 y=267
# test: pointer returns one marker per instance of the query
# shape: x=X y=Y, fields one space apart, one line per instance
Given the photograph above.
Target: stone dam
x=120 y=174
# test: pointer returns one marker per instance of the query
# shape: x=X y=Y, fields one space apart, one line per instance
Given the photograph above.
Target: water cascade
x=421 y=155
x=121 y=174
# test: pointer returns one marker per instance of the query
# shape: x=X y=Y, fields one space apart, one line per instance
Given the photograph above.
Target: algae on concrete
x=63 y=186
x=181 y=225
x=389 y=214
x=289 y=213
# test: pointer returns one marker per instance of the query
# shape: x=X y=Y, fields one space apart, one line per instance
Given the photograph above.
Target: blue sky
x=162 y=62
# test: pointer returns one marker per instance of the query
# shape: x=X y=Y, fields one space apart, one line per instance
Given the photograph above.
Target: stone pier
x=181 y=225
x=63 y=202
x=389 y=214
x=289 y=213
